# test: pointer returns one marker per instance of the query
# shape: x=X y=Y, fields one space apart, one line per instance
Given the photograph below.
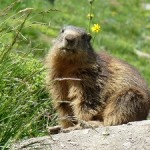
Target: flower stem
x=90 y=12
x=93 y=38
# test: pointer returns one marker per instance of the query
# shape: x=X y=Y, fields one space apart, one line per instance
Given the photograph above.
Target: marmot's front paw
x=54 y=129
x=91 y=124
x=76 y=127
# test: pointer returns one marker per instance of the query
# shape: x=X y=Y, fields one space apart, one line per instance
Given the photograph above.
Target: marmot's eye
x=83 y=37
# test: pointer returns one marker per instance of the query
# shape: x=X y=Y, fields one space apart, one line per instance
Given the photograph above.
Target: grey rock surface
x=131 y=136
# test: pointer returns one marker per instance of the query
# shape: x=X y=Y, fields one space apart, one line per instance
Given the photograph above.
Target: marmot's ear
x=62 y=30
x=89 y=37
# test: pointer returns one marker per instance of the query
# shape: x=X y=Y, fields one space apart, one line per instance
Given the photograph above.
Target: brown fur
x=86 y=86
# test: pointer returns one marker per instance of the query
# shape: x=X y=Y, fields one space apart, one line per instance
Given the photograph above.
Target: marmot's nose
x=70 y=39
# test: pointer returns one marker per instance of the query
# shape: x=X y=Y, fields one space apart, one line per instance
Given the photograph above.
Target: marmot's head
x=72 y=41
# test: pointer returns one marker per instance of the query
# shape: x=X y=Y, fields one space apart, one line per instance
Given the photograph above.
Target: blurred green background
x=27 y=29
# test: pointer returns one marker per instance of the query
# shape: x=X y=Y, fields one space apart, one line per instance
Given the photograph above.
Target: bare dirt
x=131 y=136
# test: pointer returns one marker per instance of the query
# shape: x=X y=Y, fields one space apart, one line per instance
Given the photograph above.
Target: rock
x=133 y=136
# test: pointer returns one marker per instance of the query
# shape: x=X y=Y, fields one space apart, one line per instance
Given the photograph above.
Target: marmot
x=90 y=87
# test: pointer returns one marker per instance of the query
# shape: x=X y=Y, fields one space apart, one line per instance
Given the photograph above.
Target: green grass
x=25 y=38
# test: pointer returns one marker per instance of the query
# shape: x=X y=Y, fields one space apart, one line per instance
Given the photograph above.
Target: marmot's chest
x=70 y=87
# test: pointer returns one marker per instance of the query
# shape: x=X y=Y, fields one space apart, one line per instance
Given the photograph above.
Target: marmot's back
x=87 y=87
x=122 y=75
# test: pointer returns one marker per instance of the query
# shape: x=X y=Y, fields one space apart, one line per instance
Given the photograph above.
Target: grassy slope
x=124 y=29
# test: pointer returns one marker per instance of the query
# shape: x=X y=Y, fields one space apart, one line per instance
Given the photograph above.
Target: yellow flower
x=96 y=28
x=90 y=16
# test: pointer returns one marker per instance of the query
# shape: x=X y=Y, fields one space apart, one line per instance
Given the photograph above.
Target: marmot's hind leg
x=127 y=106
